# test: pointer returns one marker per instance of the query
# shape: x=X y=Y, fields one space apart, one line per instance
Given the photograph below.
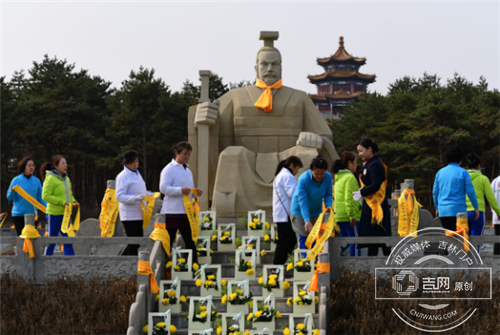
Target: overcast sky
x=178 y=39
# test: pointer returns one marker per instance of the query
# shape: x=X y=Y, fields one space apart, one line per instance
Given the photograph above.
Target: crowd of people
x=356 y=194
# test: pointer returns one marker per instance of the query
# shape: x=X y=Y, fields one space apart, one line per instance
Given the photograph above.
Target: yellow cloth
x=29 y=232
x=192 y=212
x=148 y=209
x=322 y=268
x=144 y=268
x=408 y=213
x=109 y=213
x=3 y=220
x=66 y=226
x=374 y=201
x=265 y=101
x=462 y=228
x=161 y=234
x=30 y=199
x=320 y=233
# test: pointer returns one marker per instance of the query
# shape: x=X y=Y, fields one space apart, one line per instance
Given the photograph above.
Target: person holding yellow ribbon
x=130 y=193
x=32 y=186
x=375 y=214
x=58 y=195
x=176 y=183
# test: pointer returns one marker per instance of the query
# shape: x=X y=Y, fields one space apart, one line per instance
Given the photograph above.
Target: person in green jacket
x=483 y=190
x=347 y=210
x=57 y=193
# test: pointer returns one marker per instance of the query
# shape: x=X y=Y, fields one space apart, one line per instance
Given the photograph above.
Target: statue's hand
x=206 y=113
x=307 y=139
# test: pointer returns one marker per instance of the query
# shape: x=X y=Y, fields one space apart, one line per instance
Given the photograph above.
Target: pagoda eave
x=332 y=61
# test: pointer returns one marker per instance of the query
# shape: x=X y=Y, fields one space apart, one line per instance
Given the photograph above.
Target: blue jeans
x=347 y=231
x=54 y=223
x=476 y=227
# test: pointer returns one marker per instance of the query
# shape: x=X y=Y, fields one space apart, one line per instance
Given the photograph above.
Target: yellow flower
x=250 y=246
x=251 y=225
x=232 y=296
x=286 y=285
x=297 y=300
x=219 y=330
x=316 y=300
x=316 y=331
x=165 y=301
x=207 y=219
x=177 y=268
x=258 y=314
x=276 y=237
x=223 y=282
x=250 y=272
x=278 y=314
x=211 y=277
x=195 y=266
x=203 y=308
x=160 y=324
x=300 y=333
x=203 y=314
x=250 y=304
x=266 y=238
x=183 y=299
x=265 y=307
x=240 y=292
x=267 y=225
x=286 y=331
x=224 y=299
x=249 y=263
x=169 y=264
x=299 y=264
x=289 y=302
x=173 y=329
x=301 y=326
x=171 y=293
x=211 y=251
x=145 y=329
x=227 y=233
x=208 y=283
x=182 y=260
x=301 y=293
x=289 y=267
x=262 y=253
x=272 y=282
x=157 y=297
x=256 y=220
x=261 y=280
x=250 y=316
x=273 y=276
x=247 y=332
x=223 y=238
x=214 y=237
x=198 y=282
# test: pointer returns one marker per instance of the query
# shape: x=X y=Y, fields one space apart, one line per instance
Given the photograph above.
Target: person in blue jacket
x=451 y=185
x=314 y=187
x=32 y=185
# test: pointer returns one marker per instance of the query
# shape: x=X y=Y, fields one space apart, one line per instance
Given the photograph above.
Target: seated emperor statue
x=251 y=129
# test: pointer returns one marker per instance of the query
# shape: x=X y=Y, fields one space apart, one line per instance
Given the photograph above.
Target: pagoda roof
x=339 y=95
x=342 y=74
x=340 y=56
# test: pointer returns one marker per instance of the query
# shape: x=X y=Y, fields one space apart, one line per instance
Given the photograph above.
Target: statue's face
x=268 y=67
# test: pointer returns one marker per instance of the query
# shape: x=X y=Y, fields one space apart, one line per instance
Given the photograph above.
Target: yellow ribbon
x=144 y=268
x=193 y=212
x=265 y=101
x=374 y=201
x=30 y=199
x=462 y=228
x=148 y=209
x=28 y=234
x=66 y=226
x=408 y=213
x=3 y=220
x=321 y=268
x=109 y=213
x=320 y=233
x=161 y=234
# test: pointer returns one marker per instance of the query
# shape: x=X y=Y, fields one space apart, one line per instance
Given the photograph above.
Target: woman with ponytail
x=283 y=189
x=347 y=210
x=483 y=190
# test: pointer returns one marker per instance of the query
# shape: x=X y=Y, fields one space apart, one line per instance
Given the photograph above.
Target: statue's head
x=268 y=63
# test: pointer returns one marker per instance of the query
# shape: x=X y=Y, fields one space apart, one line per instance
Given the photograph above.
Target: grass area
x=65 y=306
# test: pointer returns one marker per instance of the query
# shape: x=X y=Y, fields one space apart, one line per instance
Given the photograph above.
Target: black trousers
x=449 y=222
x=19 y=223
x=373 y=249
x=287 y=239
x=132 y=228
x=188 y=240
x=496 y=250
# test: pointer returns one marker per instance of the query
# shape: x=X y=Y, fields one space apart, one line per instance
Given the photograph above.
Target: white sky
x=178 y=39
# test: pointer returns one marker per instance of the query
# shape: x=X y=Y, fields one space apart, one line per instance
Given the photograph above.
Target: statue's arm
x=226 y=122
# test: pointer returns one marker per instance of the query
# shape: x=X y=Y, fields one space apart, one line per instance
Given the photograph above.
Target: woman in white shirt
x=130 y=192
x=176 y=180
x=283 y=188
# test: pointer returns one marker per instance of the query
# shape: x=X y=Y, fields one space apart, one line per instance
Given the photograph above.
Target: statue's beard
x=270 y=79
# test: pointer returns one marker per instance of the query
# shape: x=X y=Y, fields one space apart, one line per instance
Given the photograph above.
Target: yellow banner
x=320 y=233
x=29 y=232
x=30 y=199
x=193 y=212
x=408 y=209
x=374 y=201
x=66 y=226
x=161 y=234
x=148 y=209
x=462 y=228
x=109 y=213
x=4 y=215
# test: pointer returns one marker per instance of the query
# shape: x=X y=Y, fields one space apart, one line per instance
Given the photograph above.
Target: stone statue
x=240 y=145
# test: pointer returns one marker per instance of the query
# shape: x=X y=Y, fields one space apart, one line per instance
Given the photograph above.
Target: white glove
x=139 y=198
x=356 y=195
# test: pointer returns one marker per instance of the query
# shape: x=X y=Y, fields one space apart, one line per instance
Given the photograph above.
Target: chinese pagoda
x=340 y=84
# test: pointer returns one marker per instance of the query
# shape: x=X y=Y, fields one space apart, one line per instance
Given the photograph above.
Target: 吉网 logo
x=434 y=280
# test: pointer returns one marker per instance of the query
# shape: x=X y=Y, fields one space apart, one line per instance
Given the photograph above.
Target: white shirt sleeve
x=121 y=191
x=166 y=181
x=290 y=185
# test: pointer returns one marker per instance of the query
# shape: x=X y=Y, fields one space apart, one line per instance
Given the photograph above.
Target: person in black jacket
x=373 y=178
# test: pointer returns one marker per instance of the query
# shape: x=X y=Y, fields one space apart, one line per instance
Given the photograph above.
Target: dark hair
x=48 y=166
x=287 y=162
x=454 y=154
x=21 y=166
x=319 y=163
x=367 y=143
x=342 y=163
x=56 y=159
x=473 y=161
x=177 y=148
x=129 y=157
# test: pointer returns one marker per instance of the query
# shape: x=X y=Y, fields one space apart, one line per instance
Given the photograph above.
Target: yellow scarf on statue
x=374 y=201
x=265 y=101
x=161 y=234
x=28 y=234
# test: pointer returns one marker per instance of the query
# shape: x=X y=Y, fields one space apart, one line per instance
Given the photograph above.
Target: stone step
x=221 y=257
x=227 y=270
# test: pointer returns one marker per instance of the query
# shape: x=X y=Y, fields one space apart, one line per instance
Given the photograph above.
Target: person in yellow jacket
x=57 y=193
